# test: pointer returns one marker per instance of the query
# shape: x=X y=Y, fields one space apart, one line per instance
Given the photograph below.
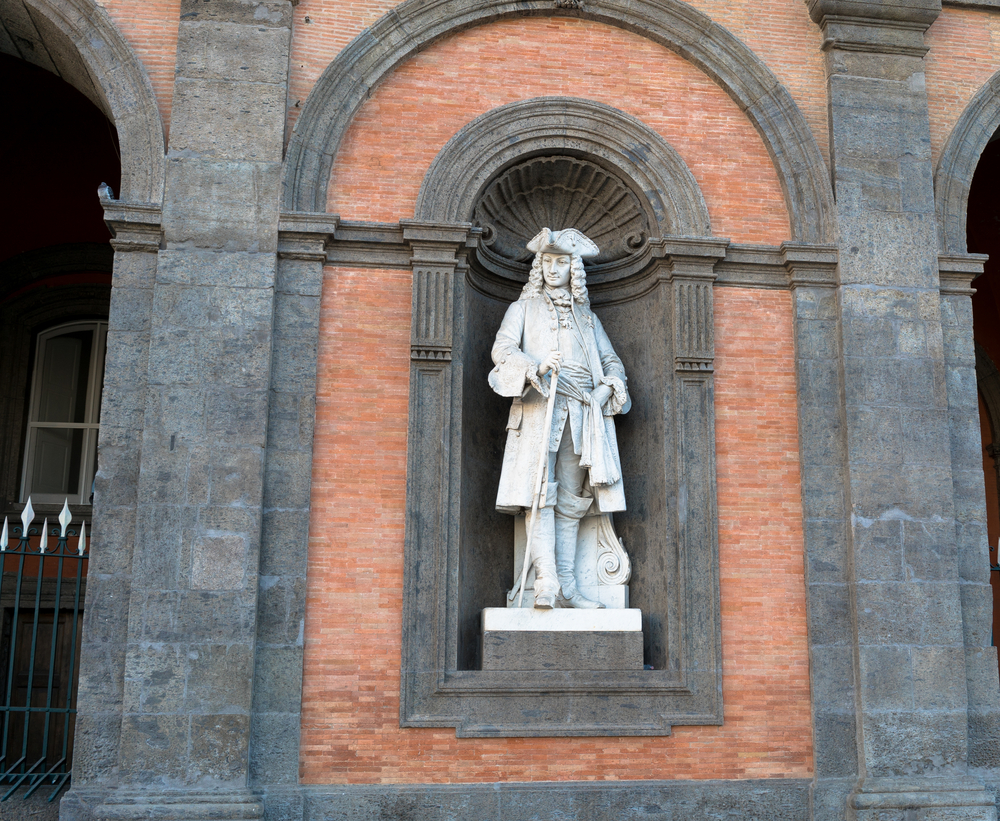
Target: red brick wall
x=780 y=33
x=350 y=724
x=399 y=131
x=150 y=27
x=964 y=54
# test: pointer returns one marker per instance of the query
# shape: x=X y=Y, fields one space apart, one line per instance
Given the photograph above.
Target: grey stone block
x=155 y=747
x=916 y=613
x=925 y=439
x=218 y=678
x=234 y=268
x=175 y=358
x=822 y=491
x=294 y=365
x=219 y=749
x=267 y=14
x=832 y=676
x=183 y=306
x=126 y=359
x=826 y=551
x=95 y=746
x=201 y=616
x=135 y=270
x=280 y=604
x=176 y=411
x=878 y=550
x=286 y=804
x=977 y=614
x=115 y=542
x=131 y=309
x=287 y=479
x=759 y=800
x=245 y=125
x=836 y=749
x=240 y=50
x=278 y=679
x=910 y=743
x=819 y=387
x=291 y=418
x=299 y=276
x=284 y=542
x=938 y=678
x=240 y=521
x=296 y=316
x=236 y=414
x=518 y=650
x=875 y=434
x=829 y=614
x=236 y=475
x=233 y=210
x=154 y=679
x=886 y=676
x=235 y=358
x=984 y=739
x=921 y=494
x=929 y=550
x=219 y=562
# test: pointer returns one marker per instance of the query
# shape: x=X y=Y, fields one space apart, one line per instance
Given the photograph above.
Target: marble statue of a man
x=552 y=329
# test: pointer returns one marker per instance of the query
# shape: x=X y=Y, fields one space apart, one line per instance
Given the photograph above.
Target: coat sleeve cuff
x=618 y=398
x=514 y=373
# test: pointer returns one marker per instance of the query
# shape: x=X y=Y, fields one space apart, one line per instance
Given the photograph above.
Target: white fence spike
x=65 y=517
x=45 y=535
x=83 y=538
x=27 y=517
x=3 y=536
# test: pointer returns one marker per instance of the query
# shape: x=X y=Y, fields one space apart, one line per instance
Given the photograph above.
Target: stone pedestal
x=528 y=639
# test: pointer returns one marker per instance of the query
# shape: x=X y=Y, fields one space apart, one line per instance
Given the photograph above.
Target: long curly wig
x=577 y=280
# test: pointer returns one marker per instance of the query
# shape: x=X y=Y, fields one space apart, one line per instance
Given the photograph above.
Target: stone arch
x=471 y=158
x=78 y=41
x=958 y=162
x=414 y=25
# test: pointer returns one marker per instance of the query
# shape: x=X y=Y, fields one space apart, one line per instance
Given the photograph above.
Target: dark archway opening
x=983 y=232
x=55 y=290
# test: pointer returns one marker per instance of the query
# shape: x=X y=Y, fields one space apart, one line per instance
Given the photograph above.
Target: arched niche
x=607 y=174
x=413 y=25
x=78 y=41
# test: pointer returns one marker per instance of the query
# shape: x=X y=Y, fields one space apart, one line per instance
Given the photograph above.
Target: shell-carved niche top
x=566 y=192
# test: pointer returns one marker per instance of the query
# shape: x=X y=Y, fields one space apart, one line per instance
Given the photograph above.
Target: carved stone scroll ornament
x=613 y=566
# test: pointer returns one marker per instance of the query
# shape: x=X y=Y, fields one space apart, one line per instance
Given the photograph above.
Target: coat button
x=555 y=326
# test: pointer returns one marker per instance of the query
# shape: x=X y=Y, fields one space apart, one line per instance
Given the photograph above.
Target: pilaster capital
x=882 y=27
x=134 y=226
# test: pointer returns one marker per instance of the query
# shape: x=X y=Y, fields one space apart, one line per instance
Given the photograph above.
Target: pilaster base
x=921 y=799
x=179 y=805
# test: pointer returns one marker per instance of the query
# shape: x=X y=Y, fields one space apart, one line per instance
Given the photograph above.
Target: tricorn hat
x=567 y=241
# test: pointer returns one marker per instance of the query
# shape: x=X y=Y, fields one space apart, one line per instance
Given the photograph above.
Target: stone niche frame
x=671 y=528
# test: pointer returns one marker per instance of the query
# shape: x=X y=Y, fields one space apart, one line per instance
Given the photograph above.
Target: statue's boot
x=543 y=558
x=569 y=510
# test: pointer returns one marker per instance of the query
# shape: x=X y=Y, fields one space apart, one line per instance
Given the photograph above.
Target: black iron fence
x=42 y=588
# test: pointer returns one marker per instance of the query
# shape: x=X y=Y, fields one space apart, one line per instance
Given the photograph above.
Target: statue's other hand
x=601 y=394
x=553 y=362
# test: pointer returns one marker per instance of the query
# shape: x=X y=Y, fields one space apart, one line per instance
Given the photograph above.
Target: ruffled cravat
x=563 y=300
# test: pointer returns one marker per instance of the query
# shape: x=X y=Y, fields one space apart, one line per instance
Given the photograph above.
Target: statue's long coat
x=528 y=334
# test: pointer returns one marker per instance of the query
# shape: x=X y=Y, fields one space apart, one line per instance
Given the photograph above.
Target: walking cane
x=543 y=465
